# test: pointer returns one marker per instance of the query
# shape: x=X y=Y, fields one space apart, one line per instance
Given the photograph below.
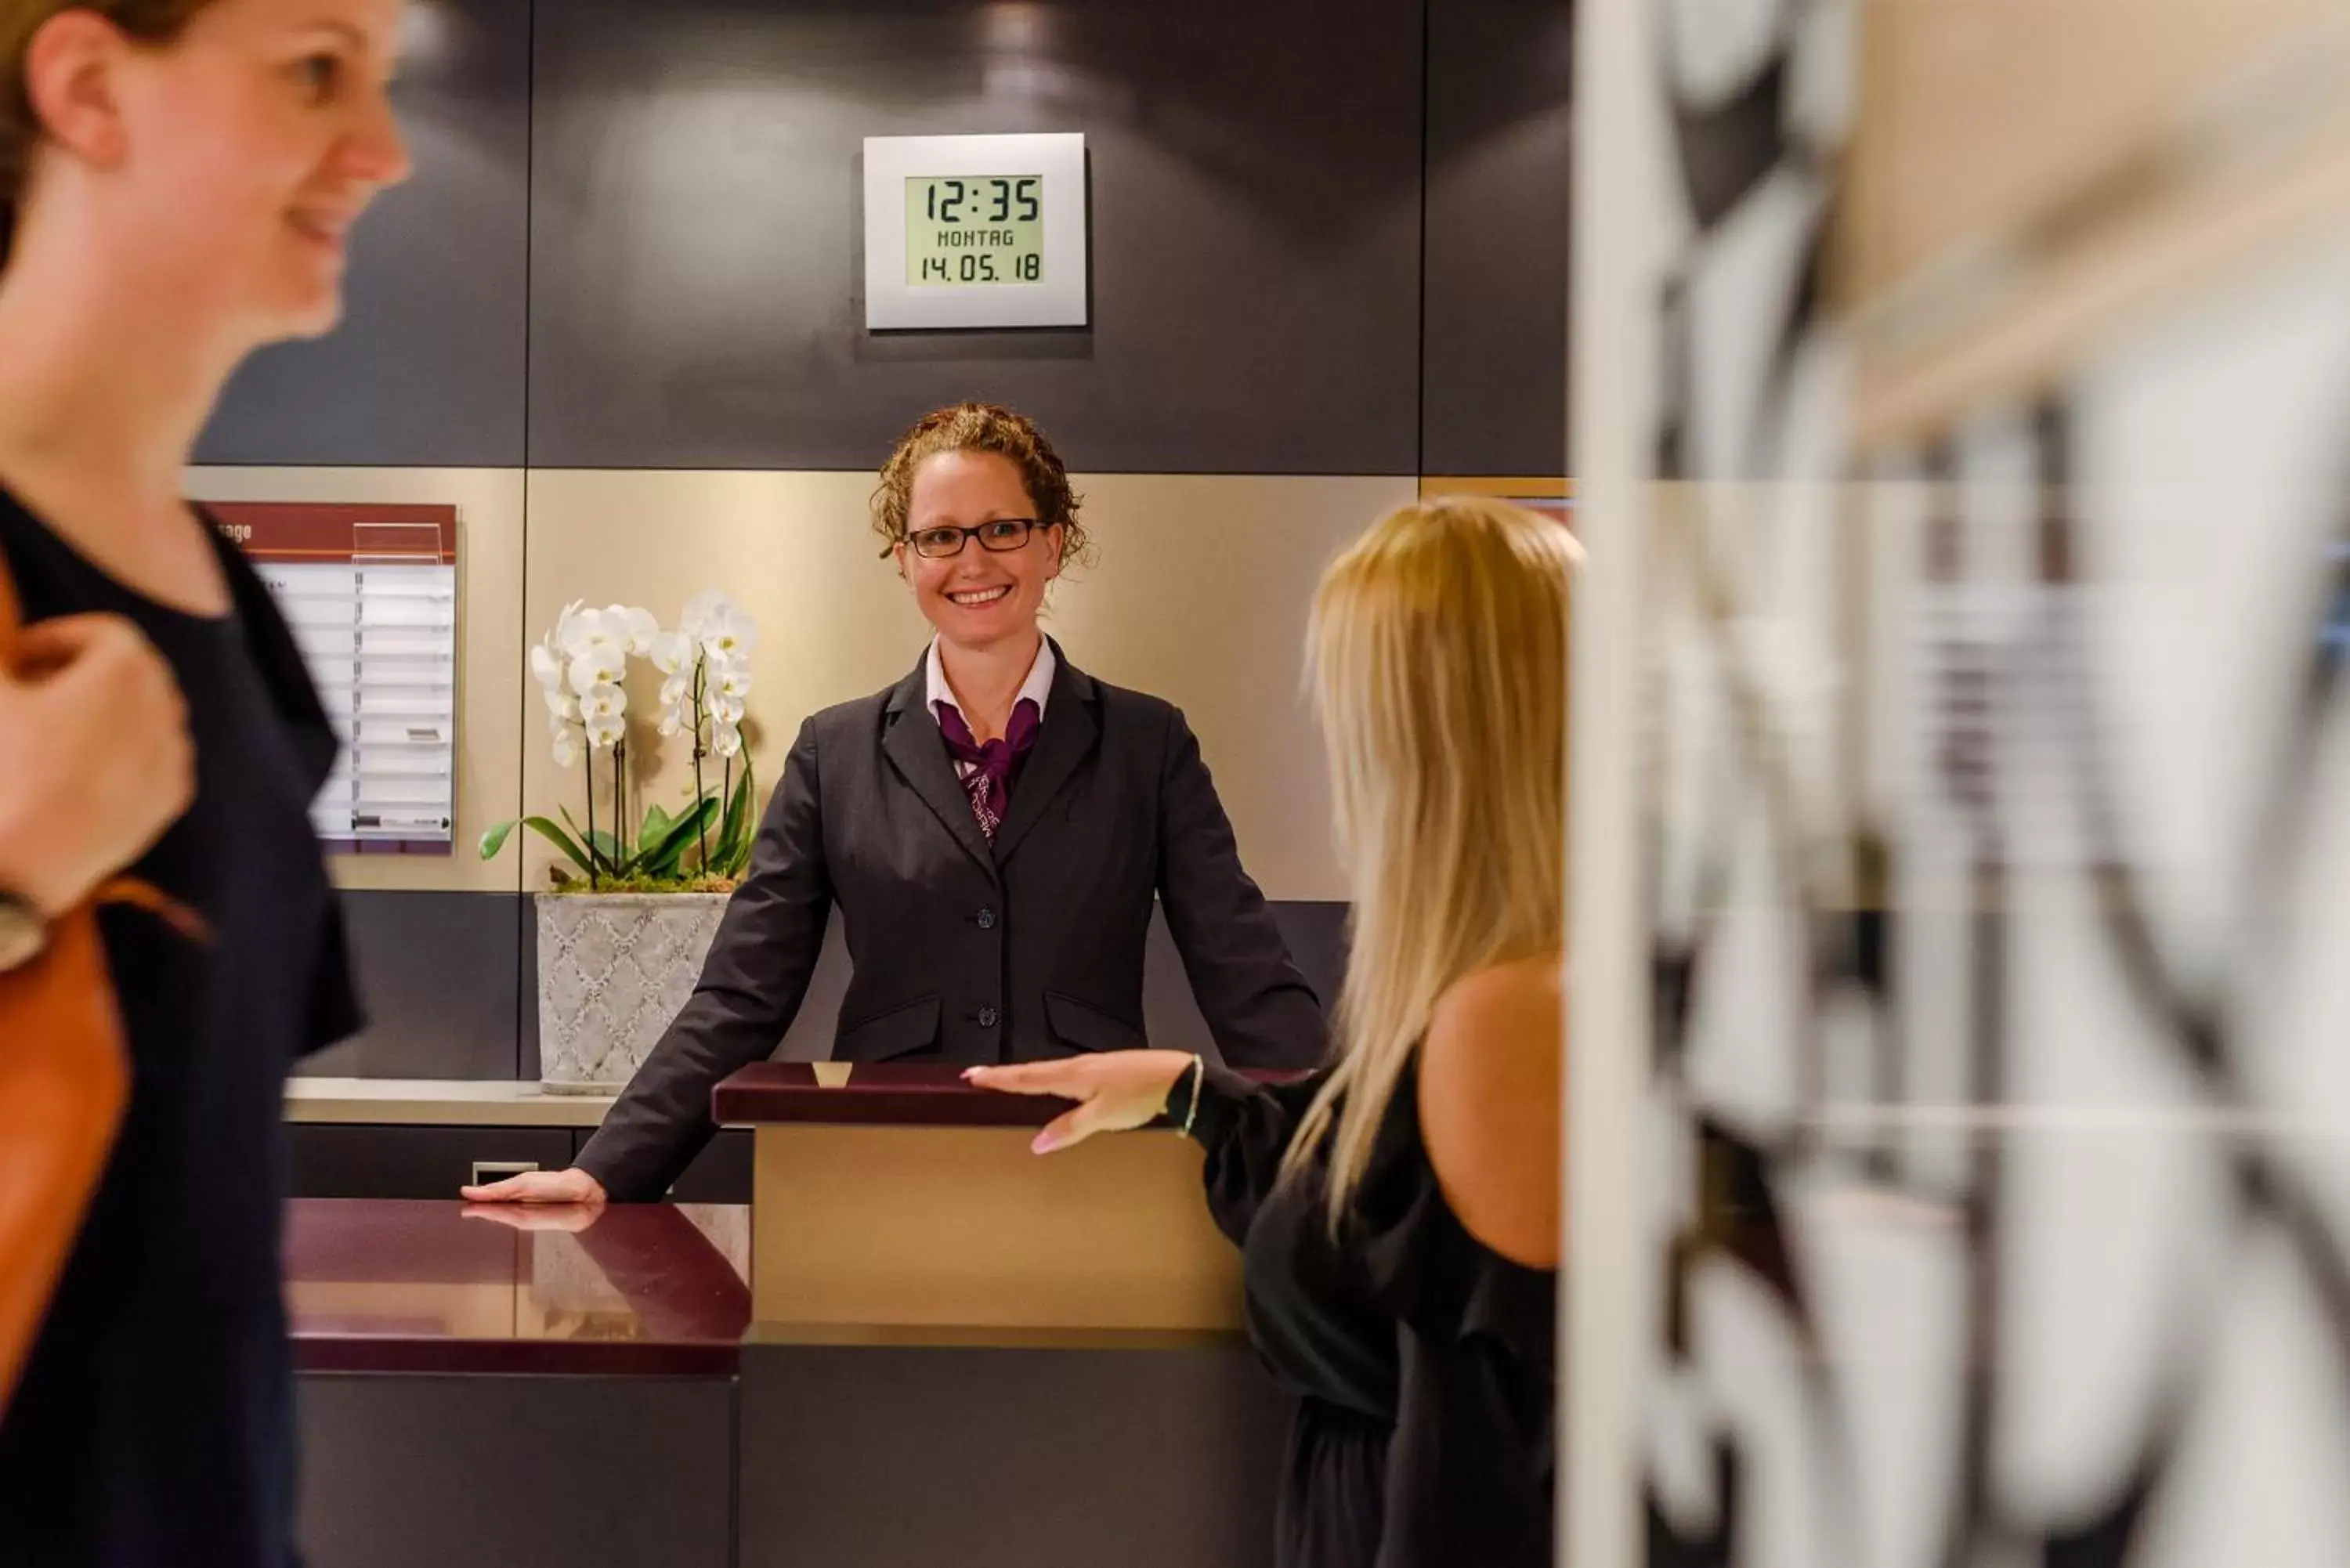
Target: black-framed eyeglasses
x=1001 y=534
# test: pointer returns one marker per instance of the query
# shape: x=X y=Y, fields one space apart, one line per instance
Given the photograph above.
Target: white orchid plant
x=582 y=667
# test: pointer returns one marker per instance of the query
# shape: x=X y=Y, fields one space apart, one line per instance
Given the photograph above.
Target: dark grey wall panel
x=887 y=1456
x=428 y=366
x=721 y=1173
x=337 y=1160
x=1316 y=932
x=1316 y=935
x=450 y=984
x=696 y=266
x=440 y=975
x=515 y=1472
x=1500 y=155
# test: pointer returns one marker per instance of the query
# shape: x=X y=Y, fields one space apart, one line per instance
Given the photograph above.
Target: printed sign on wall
x=371 y=595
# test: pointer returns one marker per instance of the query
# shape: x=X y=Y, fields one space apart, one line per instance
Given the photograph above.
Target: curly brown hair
x=982 y=427
x=152 y=22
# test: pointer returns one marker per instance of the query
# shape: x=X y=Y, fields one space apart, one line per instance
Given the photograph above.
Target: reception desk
x=920 y=1344
x=898 y=1195
x=964 y=1353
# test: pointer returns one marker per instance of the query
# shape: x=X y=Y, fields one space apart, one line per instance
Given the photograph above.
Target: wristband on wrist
x=1183 y=1096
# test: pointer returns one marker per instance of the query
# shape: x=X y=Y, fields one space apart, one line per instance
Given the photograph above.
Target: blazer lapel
x=1068 y=735
x=912 y=743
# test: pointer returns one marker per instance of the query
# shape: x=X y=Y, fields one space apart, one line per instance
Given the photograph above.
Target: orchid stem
x=589 y=769
x=701 y=668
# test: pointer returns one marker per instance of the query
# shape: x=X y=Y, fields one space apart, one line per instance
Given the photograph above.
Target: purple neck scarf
x=992 y=765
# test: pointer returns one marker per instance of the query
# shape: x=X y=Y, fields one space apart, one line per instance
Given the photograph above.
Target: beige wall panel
x=1199 y=595
x=1977 y=113
x=490 y=676
x=792 y=548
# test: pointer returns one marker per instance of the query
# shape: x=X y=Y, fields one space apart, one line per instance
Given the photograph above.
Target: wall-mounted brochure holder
x=371 y=595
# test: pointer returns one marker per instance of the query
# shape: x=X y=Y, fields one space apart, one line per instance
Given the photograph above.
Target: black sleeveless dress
x=154 y=1425
x=1424 y=1362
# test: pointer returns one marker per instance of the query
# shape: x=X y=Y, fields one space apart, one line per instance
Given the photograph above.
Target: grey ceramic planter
x=613 y=970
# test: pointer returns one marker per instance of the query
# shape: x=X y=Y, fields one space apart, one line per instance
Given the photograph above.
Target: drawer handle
x=488 y=1170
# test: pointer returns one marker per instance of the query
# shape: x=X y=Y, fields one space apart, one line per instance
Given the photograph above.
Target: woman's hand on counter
x=569 y=1218
x=572 y=1186
x=1115 y=1090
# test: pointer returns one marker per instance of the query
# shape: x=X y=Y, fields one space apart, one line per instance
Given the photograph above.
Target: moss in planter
x=564 y=882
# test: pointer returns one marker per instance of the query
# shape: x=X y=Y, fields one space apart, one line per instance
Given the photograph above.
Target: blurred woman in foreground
x=1398 y=1211
x=177 y=182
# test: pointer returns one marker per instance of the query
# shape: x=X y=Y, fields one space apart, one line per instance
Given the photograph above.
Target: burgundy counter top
x=878 y=1093
x=647 y=1289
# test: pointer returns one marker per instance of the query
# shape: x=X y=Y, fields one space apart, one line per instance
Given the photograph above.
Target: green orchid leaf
x=608 y=848
x=560 y=839
x=666 y=857
x=495 y=839
x=649 y=860
x=670 y=846
x=735 y=839
x=574 y=823
x=652 y=859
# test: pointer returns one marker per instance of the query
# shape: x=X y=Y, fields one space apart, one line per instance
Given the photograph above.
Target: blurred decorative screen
x=1995 y=588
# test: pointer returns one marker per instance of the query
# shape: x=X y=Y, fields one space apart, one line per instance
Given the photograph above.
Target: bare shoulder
x=1489 y=1103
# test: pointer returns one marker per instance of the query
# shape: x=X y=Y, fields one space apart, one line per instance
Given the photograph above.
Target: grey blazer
x=965 y=951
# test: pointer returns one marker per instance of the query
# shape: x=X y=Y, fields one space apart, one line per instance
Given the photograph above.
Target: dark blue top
x=154 y=1422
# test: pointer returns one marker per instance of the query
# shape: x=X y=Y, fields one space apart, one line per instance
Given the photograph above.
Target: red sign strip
x=337 y=532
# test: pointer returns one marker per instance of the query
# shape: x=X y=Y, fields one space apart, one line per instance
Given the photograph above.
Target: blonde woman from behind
x=1397 y=1209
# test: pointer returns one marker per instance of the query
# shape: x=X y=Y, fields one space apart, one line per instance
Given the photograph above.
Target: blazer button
x=987 y=1017
x=987 y=919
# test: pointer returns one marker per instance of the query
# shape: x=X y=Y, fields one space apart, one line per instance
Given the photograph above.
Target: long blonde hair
x=1438 y=650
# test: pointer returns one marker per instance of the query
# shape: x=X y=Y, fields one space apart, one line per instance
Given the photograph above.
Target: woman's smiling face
x=977 y=597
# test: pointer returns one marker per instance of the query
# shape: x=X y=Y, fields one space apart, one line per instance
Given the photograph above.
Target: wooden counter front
x=897 y=1195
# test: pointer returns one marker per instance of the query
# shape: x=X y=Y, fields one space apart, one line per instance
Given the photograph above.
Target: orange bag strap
x=65 y=1081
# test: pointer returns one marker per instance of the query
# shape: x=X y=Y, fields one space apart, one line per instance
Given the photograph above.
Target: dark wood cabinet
x=344 y=1161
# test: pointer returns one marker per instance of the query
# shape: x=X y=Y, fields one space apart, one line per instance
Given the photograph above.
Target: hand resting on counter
x=1115 y=1090
x=572 y=1186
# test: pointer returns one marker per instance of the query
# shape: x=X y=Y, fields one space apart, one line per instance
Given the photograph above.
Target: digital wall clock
x=975 y=231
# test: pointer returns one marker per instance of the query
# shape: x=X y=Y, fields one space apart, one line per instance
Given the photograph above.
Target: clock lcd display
x=974 y=229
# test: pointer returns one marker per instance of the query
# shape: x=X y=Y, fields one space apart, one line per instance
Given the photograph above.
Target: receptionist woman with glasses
x=994 y=829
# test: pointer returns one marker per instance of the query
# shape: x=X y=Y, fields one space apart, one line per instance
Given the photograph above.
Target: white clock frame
x=1057 y=299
